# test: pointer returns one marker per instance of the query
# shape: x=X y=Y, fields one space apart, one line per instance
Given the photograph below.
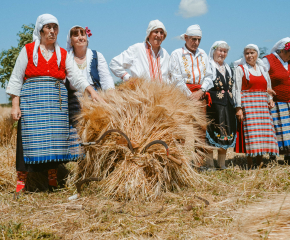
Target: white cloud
x=192 y=8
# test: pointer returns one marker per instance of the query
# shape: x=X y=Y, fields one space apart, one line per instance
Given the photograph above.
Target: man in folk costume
x=147 y=59
x=278 y=65
x=43 y=137
x=190 y=70
x=189 y=66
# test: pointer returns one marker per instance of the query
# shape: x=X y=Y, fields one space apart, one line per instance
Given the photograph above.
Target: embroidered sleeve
x=176 y=73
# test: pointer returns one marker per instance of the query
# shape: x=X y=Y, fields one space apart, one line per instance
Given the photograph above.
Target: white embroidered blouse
x=135 y=59
x=16 y=80
x=186 y=67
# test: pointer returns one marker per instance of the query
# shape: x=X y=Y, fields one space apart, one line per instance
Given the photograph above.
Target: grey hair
x=222 y=45
x=250 y=47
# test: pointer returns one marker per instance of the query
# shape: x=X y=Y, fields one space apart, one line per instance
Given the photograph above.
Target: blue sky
x=117 y=24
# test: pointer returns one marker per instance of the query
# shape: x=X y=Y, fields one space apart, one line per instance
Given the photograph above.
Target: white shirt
x=186 y=67
x=135 y=59
x=239 y=73
x=106 y=79
x=267 y=64
x=74 y=75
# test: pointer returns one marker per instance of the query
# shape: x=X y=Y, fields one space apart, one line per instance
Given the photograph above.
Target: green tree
x=8 y=57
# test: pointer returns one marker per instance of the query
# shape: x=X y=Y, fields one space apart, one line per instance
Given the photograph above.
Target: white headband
x=193 y=30
x=155 y=24
x=40 y=22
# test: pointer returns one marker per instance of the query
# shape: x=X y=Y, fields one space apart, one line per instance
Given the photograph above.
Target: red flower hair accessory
x=287 y=46
x=88 y=31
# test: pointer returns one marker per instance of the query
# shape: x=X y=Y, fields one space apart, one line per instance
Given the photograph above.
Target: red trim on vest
x=255 y=82
x=280 y=79
x=45 y=68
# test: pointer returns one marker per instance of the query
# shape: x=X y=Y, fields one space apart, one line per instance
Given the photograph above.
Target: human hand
x=271 y=104
x=94 y=95
x=271 y=92
x=197 y=95
x=15 y=113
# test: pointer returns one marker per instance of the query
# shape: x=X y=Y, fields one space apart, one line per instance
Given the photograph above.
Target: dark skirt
x=221 y=131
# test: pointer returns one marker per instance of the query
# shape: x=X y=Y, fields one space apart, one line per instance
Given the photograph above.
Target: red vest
x=255 y=83
x=45 y=68
x=280 y=79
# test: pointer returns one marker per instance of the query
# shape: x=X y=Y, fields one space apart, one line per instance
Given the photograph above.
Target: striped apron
x=44 y=123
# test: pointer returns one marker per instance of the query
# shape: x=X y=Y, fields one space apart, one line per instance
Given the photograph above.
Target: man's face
x=156 y=37
x=192 y=42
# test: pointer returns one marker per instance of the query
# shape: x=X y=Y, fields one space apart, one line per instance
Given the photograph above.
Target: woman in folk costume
x=221 y=132
x=147 y=59
x=278 y=65
x=93 y=66
x=257 y=134
x=189 y=66
x=39 y=97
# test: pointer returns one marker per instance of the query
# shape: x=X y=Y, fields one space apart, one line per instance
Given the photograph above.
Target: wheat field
x=235 y=204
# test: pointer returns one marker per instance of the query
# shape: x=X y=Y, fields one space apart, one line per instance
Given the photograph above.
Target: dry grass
x=242 y=205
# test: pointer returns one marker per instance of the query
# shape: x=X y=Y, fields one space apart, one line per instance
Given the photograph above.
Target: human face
x=219 y=55
x=251 y=56
x=49 y=33
x=285 y=55
x=80 y=40
x=192 y=42
x=156 y=37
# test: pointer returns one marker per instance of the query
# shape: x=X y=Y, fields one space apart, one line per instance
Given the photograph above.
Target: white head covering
x=40 y=22
x=212 y=62
x=193 y=30
x=259 y=62
x=280 y=44
x=154 y=24
x=89 y=53
x=69 y=47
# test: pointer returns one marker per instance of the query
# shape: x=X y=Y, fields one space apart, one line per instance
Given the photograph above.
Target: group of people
x=47 y=81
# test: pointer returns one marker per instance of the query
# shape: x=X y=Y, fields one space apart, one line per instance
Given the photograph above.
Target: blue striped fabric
x=281 y=118
x=44 y=126
x=259 y=131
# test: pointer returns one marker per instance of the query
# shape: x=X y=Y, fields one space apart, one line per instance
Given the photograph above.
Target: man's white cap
x=154 y=24
x=193 y=30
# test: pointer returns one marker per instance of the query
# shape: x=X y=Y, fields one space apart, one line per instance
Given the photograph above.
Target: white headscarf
x=259 y=62
x=69 y=47
x=212 y=62
x=154 y=24
x=89 y=53
x=40 y=22
x=280 y=44
x=193 y=30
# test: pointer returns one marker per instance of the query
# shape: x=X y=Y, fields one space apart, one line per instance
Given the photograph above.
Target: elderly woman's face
x=49 y=33
x=220 y=55
x=251 y=56
x=285 y=55
x=156 y=37
x=79 y=40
